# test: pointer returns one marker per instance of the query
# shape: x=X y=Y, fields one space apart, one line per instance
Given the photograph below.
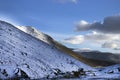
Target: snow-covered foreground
x=23 y=55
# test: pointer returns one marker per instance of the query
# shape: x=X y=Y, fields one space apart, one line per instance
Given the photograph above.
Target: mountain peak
x=36 y=33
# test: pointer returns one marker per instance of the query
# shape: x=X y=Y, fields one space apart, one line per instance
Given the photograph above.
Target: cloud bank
x=101 y=37
x=110 y=45
x=106 y=33
x=111 y=24
x=75 y=40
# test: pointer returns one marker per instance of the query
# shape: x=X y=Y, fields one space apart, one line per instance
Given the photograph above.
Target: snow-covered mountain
x=28 y=56
x=49 y=40
x=28 y=53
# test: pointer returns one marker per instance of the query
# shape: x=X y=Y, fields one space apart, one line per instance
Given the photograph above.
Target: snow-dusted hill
x=37 y=34
x=49 y=40
x=24 y=55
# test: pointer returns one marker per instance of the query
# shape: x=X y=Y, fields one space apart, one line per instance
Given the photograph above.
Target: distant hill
x=105 y=57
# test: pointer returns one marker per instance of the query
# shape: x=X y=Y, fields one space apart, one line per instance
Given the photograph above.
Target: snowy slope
x=36 y=33
x=114 y=69
x=109 y=73
x=47 y=39
x=23 y=53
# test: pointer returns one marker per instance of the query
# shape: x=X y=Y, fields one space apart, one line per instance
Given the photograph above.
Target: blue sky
x=58 y=18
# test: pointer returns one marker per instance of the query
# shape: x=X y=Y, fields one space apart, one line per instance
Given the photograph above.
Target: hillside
x=49 y=40
x=22 y=53
x=105 y=57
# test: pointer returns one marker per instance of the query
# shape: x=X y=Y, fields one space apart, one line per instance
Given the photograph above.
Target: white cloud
x=101 y=37
x=82 y=25
x=75 y=40
x=95 y=37
x=111 y=41
x=74 y=1
x=118 y=48
x=82 y=49
x=110 y=45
